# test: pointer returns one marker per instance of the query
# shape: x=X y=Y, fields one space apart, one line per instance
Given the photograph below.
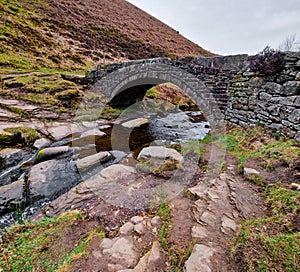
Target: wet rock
x=11 y=196
x=136 y=123
x=50 y=179
x=51 y=152
x=178 y=127
x=120 y=251
x=199 y=259
x=90 y=162
x=10 y=157
x=160 y=152
x=41 y=143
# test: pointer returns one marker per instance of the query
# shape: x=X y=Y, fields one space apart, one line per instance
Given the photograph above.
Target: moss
x=158 y=168
x=25 y=135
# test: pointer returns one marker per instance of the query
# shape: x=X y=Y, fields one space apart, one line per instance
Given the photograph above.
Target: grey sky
x=229 y=26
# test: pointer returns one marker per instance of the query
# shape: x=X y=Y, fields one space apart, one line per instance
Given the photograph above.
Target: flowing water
x=173 y=127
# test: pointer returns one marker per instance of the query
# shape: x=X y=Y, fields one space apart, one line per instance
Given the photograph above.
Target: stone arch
x=149 y=74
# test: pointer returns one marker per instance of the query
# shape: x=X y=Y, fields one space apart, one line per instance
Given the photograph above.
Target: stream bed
x=22 y=184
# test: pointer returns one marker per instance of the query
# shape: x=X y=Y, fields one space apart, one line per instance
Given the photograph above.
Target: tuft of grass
x=25 y=134
x=164 y=212
x=39 y=246
x=273 y=243
x=283 y=201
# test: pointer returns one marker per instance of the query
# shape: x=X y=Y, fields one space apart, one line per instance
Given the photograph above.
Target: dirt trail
x=203 y=222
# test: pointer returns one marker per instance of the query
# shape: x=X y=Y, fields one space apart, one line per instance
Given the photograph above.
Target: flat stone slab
x=136 y=123
x=160 y=152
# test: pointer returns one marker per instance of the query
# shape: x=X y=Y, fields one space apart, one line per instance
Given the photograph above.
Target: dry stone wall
x=272 y=101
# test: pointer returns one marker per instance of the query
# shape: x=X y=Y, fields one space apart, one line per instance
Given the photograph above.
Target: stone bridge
x=221 y=86
x=214 y=73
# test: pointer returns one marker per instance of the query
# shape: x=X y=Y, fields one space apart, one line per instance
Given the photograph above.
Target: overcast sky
x=229 y=26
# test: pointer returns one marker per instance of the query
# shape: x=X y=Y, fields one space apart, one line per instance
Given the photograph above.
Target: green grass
x=39 y=246
x=27 y=135
x=49 y=90
x=164 y=212
x=282 y=200
x=273 y=243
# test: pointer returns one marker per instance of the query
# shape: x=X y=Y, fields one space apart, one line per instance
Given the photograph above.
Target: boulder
x=10 y=157
x=199 y=259
x=117 y=171
x=160 y=152
x=90 y=162
x=149 y=261
x=11 y=196
x=121 y=251
x=50 y=179
x=136 y=123
x=101 y=185
x=51 y=152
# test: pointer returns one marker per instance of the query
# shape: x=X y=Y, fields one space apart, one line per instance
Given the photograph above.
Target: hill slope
x=62 y=34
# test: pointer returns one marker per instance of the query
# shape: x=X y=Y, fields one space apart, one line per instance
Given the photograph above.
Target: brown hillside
x=75 y=34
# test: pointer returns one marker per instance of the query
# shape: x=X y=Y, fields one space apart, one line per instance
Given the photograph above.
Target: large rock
x=117 y=171
x=11 y=196
x=50 y=179
x=51 y=152
x=102 y=185
x=291 y=88
x=160 y=152
x=150 y=260
x=90 y=162
x=120 y=251
x=10 y=157
x=136 y=123
x=199 y=259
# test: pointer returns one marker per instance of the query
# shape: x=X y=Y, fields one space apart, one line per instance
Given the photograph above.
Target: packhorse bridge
x=221 y=86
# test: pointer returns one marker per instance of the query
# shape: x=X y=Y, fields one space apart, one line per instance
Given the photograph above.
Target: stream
x=34 y=167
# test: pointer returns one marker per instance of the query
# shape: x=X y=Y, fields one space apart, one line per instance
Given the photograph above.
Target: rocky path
x=207 y=219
